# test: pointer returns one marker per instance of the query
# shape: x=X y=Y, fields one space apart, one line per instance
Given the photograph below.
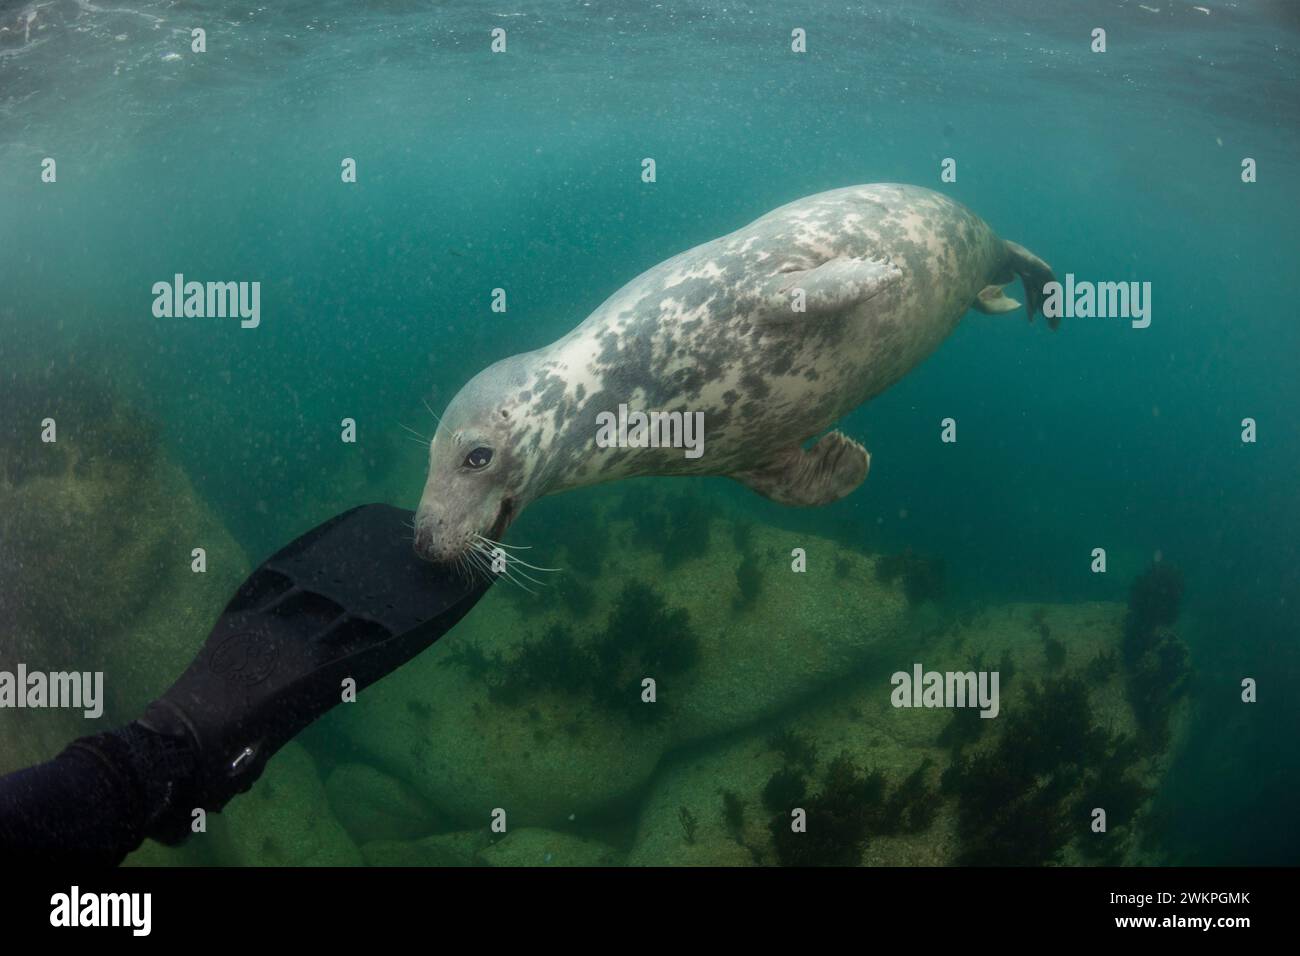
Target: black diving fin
x=347 y=601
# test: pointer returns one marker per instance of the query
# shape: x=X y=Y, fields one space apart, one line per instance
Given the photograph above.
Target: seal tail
x=1034 y=275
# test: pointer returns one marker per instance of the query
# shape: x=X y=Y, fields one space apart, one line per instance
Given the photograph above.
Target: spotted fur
x=889 y=269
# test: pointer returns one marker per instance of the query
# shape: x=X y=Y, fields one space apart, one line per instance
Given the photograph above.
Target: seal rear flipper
x=827 y=289
x=1034 y=275
x=993 y=301
x=826 y=472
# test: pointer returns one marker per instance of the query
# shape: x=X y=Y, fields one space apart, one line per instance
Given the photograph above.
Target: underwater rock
x=711 y=785
x=533 y=846
x=540 y=762
x=373 y=806
x=151 y=853
x=96 y=534
x=550 y=751
x=445 y=849
x=284 y=820
x=1068 y=722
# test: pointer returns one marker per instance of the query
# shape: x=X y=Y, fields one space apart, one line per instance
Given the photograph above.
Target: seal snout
x=428 y=530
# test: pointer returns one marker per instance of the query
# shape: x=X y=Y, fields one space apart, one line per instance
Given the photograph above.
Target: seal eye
x=478 y=458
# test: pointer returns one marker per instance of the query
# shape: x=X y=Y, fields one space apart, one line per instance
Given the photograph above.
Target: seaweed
x=796 y=749
x=528 y=603
x=1113 y=786
x=1014 y=799
x=1055 y=651
x=840 y=819
x=642 y=637
x=689 y=521
x=742 y=535
x=784 y=790
x=1006 y=669
x=963 y=728
x=1155 y=683
x=651 y=525
x=750 y=581
x=1115 y=789
x=586 y=556
x=842 y=566
x=478 y=663
x=1005 y=817
x=420 y=709
x=1153 y=604
x=1101 y=668
x=644 y=627
x=850 y=808
x=688 y=823
x=553 y=663
x=1056 y=727
x=678 y=527
x=911 y=806
x=577 y=595
x=733 y=815
x=1155 y=658
x=923 y=578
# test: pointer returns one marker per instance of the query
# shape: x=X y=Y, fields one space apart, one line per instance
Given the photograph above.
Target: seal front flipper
x=826 y=472
x=993 y=301
x=826 y=289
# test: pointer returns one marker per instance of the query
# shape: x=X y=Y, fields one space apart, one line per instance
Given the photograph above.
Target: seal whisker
x=509 y=575
x=467 y=570
x=473 y=567
x=431 y=411
x=513 y=580
x=414 y=432
x=520 y=562
x=512 y=570
x=513 y=562
x=485 y=557
x=507 y=547
x=482 y=562
x=487 y=542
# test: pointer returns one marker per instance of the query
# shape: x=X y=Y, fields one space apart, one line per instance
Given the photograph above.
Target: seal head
x=478 y=477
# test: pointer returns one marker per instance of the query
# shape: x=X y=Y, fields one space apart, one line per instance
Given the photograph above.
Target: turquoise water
x=522 y=171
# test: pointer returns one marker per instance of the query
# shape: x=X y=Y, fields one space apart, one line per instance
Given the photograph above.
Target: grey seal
x=772 y=332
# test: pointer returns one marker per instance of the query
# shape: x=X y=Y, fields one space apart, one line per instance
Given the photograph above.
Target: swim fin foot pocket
x=349 y=599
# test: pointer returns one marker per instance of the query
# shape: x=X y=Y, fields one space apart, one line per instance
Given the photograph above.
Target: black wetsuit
x=97 y=800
